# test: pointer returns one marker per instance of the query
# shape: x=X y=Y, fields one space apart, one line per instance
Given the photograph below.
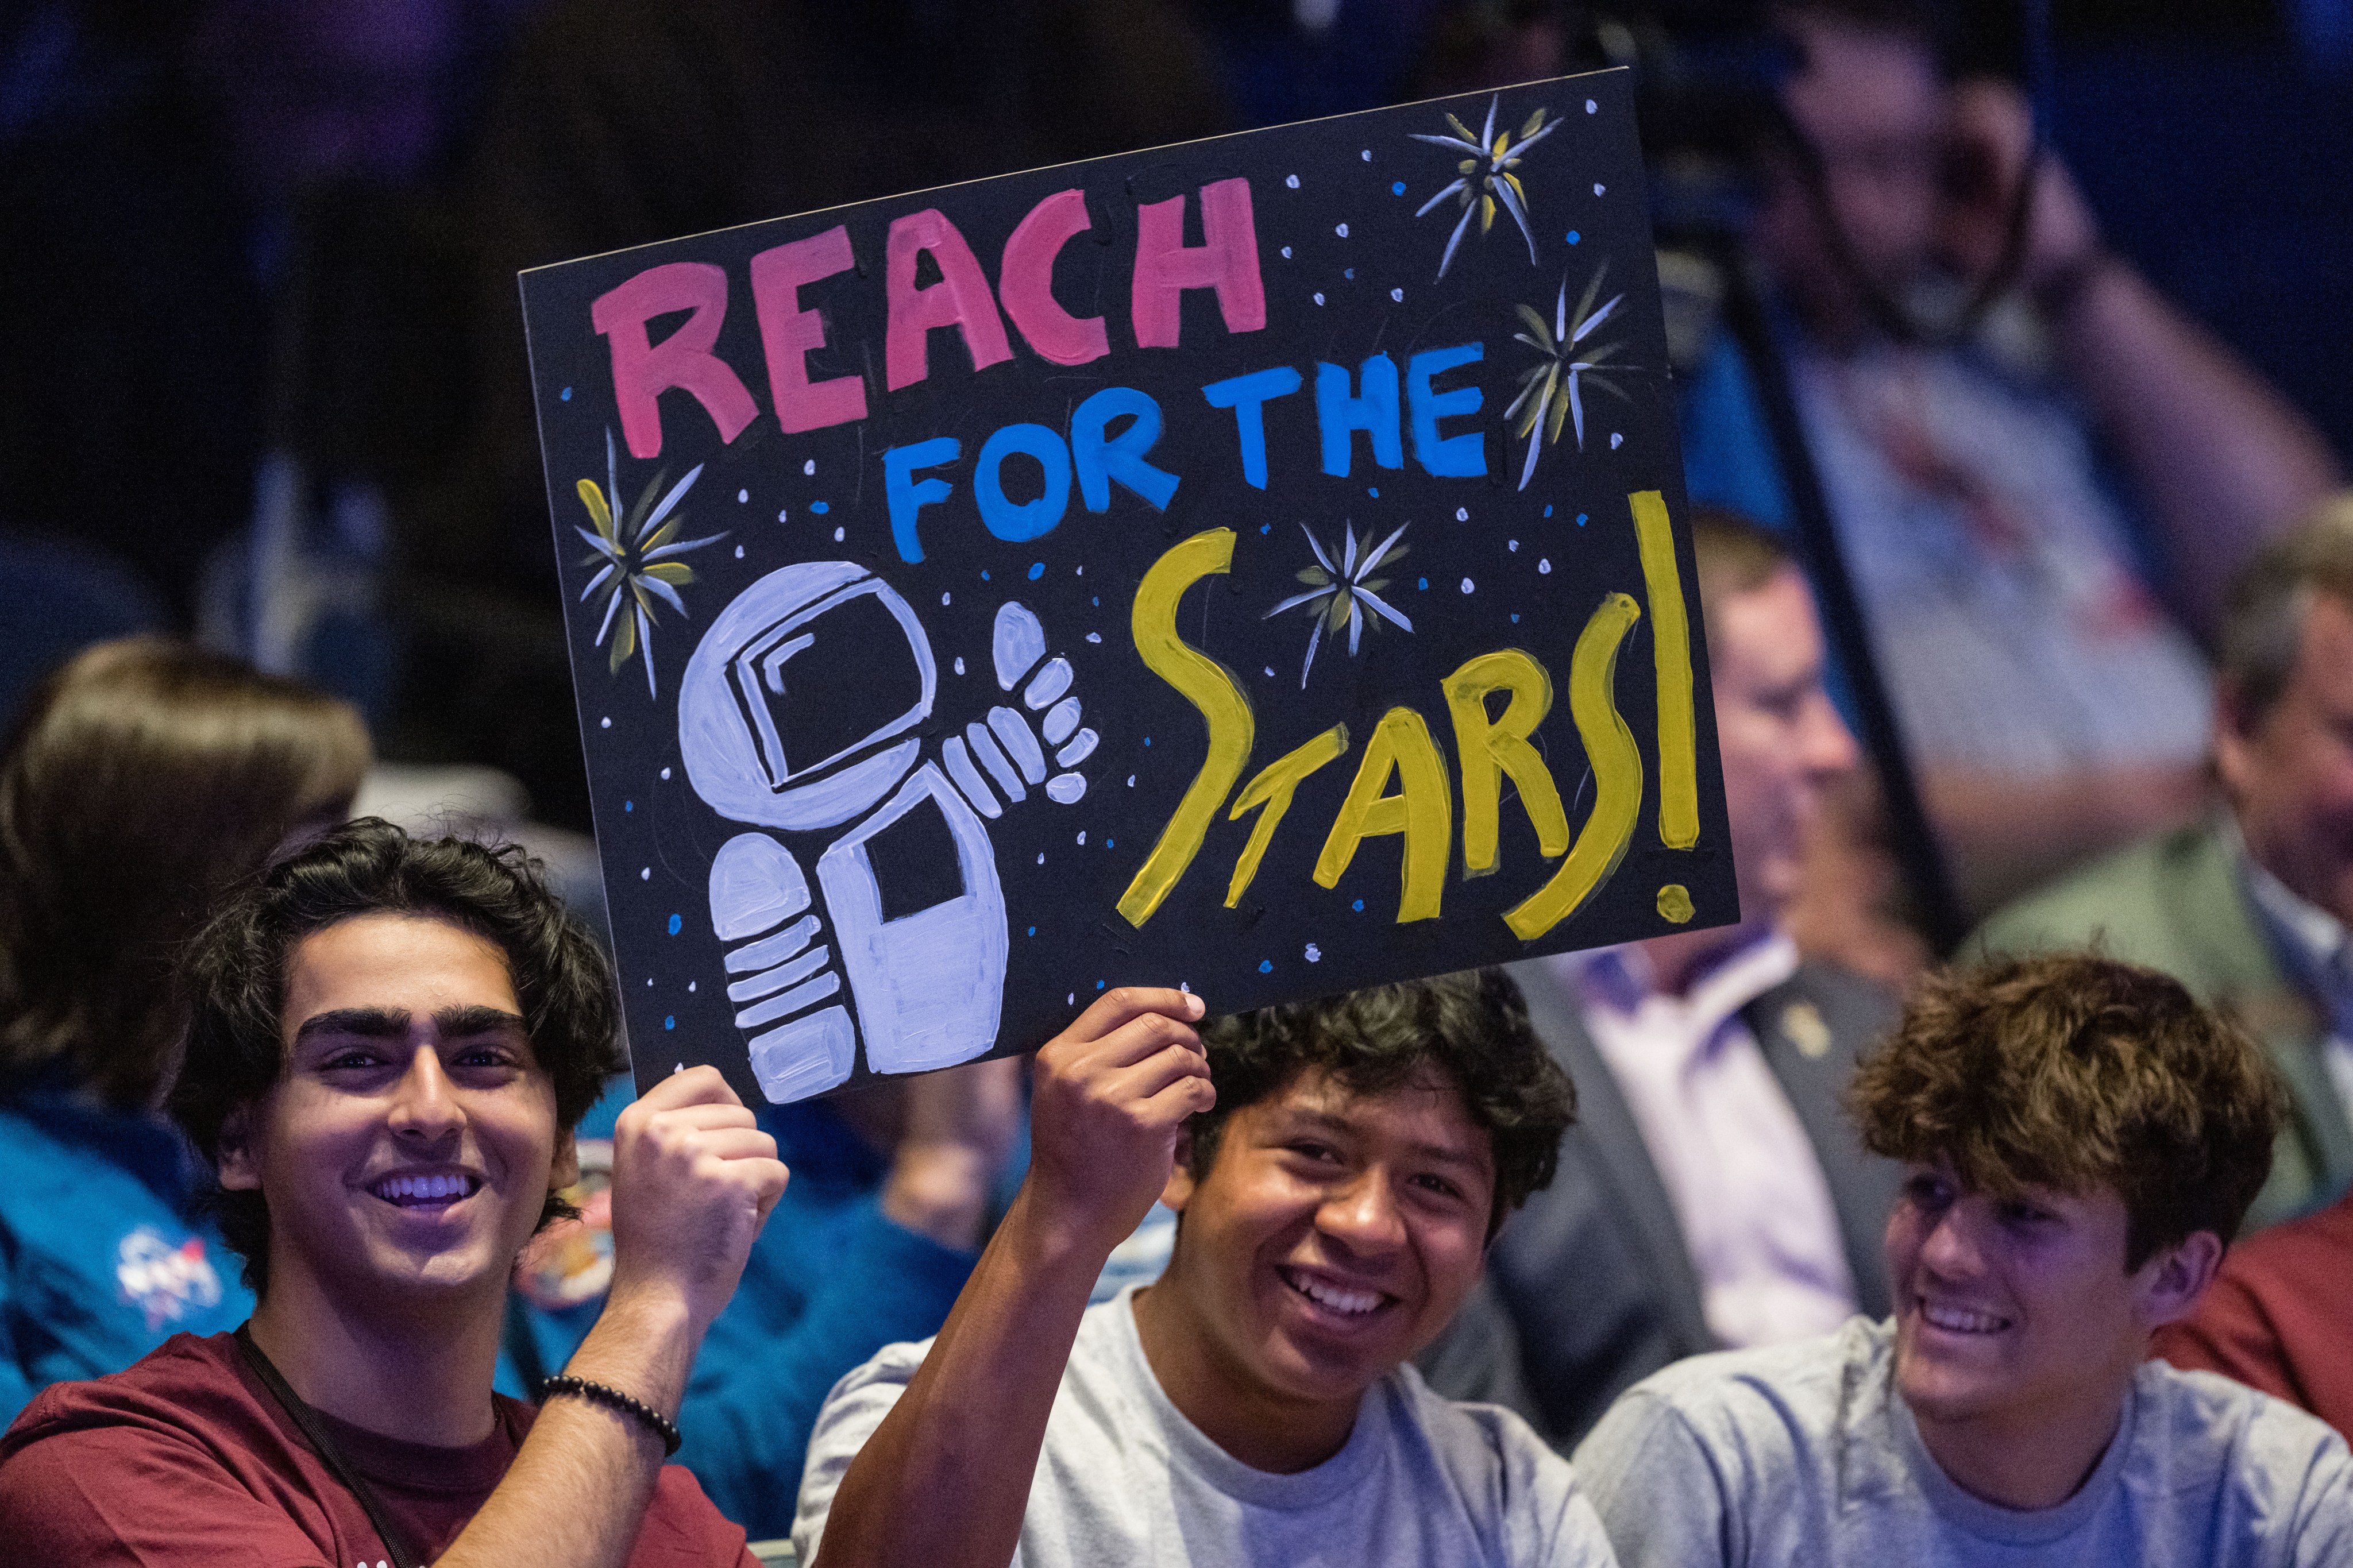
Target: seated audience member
x=2043 y=678
x=891 y=1186
x=1334 y=1194
x=143 y=777
x=2249 y=907
x=2079 y=1137
x=2279 y=1317
x=391 y=1040
x=1712 y=1194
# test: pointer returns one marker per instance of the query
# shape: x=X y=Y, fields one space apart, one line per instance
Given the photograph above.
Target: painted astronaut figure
x=768 y=739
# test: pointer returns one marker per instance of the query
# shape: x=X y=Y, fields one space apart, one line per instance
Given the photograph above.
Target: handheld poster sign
x=1251 y=565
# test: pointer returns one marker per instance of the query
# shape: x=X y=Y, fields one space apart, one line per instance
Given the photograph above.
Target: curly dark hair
x=1472 y=1026
x=236 y=974
x=2074 y=1071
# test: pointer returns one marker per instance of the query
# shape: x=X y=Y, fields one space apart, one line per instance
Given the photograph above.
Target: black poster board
x=1256 y=565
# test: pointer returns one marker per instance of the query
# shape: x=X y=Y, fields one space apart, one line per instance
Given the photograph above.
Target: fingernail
x=1197 y=1006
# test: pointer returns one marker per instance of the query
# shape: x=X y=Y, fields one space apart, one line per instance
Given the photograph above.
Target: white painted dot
x=1599 y=188
x=1544 y=567
x=1292 y=181
x=1398 y=295
x=739 y=552
x=649 y=980
x=606 y=722
x=1131 y=781
x=1314 y=953
x=838 y=534
x=1590 y=106
x=646 y=874
x=665 y=774
x=1286 y=253
x=809 y=467
x=1462 y=514
x=1342 y=231
x=743 y=496
x=959 y=664
x=1072 y=1000
x=1083 y=837
x=1366 y=154
x=1269 y=670
x=782 y=513
x=1082 y=572
x=690 y=987
x=1185 y=987
x=1467 y=585
x=1319 y=299
x=1513 y=545
x=943 y=599
x=1042 y=857
x=1094 y=636
x=1616 y=440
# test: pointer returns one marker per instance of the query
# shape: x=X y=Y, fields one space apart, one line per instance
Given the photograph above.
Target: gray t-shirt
x=1125 y=1478
x=1803 y=1454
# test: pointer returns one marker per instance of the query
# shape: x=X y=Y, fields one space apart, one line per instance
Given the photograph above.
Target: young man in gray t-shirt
x=1257 y=1404
x=2080 y=1136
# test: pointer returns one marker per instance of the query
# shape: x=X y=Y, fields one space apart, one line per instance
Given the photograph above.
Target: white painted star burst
x=1549 y=389
x=639 y=556
x=1485 y=179
x=1339 y=595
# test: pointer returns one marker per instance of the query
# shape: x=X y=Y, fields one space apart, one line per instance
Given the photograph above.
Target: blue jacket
x=829 y=1282
x=102 y=1257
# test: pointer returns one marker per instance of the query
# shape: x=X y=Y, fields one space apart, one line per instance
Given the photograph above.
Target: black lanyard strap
x=325 y=1447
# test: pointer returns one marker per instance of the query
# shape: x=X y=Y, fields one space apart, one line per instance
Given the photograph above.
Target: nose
x=424 y=1104
x=1949 y=1250
x=1363 y=1217
x=1829 y=745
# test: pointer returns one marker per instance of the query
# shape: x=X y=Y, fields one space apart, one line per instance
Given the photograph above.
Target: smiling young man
x=1255 y=1404
x=390 y=1042
x=2080 y=1136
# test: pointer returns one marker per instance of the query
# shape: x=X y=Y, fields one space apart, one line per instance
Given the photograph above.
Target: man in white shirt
x=1712 y=1195
x=2078 y=1138
x=1253 y=1406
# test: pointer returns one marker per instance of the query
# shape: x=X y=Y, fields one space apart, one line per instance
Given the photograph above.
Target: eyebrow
x=389 y=1023
x=1436 y=1153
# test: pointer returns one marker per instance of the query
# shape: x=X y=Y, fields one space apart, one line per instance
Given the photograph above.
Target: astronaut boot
x=1005 y=746
x=781 y=971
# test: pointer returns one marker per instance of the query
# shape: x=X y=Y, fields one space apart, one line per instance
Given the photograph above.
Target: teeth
x=1350 y=1302
x=426 y=1189
x=1960 y=1320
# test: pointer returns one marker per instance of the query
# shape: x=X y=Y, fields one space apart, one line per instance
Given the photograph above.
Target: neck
x=2029 y=1460
x=1677 y=962
x=1262 y=1428
x=422 y=1376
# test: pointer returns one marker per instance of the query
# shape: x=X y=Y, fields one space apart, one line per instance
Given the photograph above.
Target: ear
x=2234 y=757
x=565 y=1171
x=1178 y=1192
x=237 y=1167
x=2169 y=1284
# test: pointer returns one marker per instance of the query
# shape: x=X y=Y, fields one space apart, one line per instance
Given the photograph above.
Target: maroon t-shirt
x=2279 y=1316
x=184 y=1459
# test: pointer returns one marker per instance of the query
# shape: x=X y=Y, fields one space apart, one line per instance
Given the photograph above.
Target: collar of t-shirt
x=2312 y=946
x=430 y=1492
x=1191 y=1451
x=1991 y=1521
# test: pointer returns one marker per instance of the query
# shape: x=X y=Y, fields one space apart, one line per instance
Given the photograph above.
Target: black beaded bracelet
x=661 y=1426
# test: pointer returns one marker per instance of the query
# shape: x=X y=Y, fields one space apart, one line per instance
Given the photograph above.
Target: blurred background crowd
x=2010 y=341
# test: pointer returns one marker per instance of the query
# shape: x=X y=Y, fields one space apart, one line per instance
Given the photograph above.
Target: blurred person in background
x=1711 y=1195
x=144 y=779
x=2249 y=907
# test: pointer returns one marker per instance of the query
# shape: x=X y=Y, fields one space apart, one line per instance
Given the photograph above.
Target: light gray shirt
x=1125 y=1478
x=1804 y=1454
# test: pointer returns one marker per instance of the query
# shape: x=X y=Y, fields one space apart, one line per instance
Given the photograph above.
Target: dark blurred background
x=261 y=365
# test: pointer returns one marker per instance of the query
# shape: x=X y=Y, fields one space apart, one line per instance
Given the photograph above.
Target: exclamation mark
x=1670 y=646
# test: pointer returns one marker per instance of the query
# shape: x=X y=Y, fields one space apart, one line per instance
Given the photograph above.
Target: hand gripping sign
x=1254 y=565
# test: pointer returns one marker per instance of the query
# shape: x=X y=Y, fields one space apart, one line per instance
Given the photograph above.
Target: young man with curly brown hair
x=2080 y=1139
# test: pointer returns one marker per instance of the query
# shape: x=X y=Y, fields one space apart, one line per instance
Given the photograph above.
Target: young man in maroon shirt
x=392 y=1041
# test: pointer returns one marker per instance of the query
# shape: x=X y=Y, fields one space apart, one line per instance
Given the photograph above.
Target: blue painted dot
x=1547 y=511
x=1348 y=272
x=983 y=576
x=1515 y=617
x=1109 y=845
x=1580 y=520
x=674 y=924
x=1096 y=603
x=1266 y=527
x=1358 y=906
x=1373 y=491
x=1033 y=930
x=628 y=805
x=1397 y=189
x=1148 y=740
x=565 y=394
x=1037 y=570
x=1573 y=236
x=820 y=508
x=1099 y=984
x=1266 y=966
x=1424 y=583
x=670 y=1022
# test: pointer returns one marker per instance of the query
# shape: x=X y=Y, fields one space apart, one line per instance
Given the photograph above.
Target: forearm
x=945 y=1478
x=2221 y=459
x=577 y=1492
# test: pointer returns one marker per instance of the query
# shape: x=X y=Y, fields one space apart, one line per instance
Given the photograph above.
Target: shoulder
x=185 y=1377
x=1494 y=1467
x=2197 y=1430
x=2127 y=900
x=1754 y=1408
